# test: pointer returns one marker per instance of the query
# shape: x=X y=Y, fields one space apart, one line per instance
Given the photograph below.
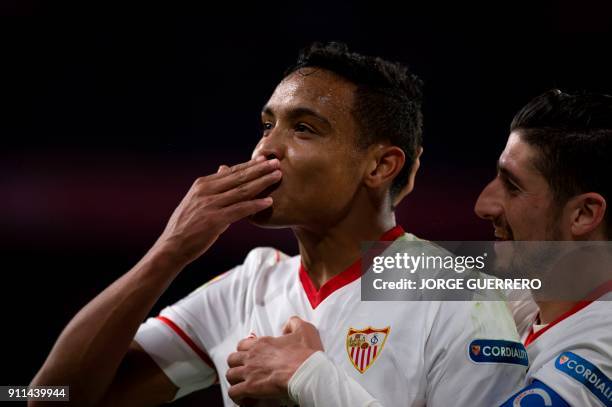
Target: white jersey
x=571 y=358
x=406 y=353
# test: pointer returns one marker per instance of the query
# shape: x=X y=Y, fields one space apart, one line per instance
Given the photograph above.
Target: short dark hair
x=387 y=103
x=573 y=135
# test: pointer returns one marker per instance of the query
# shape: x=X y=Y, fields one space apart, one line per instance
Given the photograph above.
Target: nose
x=270 y=146
x=489 y=203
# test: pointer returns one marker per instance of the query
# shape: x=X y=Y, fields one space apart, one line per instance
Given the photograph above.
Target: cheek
x=527 y=219
x=322 y=171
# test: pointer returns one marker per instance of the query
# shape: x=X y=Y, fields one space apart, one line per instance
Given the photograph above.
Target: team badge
x=363 y=346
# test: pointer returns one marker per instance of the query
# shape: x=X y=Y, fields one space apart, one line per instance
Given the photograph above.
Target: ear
x=410 y=184
x=384 y=164
x=587 y=213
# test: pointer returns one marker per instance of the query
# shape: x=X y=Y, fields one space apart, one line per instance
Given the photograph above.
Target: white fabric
x=538 y=327
x=318 y=382
x=587 y=333
x=424 y=360
x=179 y=362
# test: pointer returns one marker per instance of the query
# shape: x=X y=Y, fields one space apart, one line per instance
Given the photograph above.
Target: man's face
x=519 y=201
x=308 y=126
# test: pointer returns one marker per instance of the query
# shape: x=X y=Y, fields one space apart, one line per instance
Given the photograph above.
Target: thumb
x=292 y=325
x=222 y=169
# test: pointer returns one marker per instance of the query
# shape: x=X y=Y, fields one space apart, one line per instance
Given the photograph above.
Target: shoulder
x=239 y=279
x=579 y=375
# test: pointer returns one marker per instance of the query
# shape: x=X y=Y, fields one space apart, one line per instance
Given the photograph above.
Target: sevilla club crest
x=364 y=346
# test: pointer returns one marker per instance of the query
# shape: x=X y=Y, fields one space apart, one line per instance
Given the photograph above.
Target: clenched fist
x=262 y=367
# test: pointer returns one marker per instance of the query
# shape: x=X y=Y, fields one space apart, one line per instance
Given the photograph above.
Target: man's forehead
x=518 y=155
x=320 y=89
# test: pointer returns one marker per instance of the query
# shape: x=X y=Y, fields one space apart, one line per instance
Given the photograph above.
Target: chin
x=267 y=219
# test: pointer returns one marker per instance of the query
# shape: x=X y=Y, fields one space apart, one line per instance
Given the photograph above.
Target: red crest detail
x=365 y=345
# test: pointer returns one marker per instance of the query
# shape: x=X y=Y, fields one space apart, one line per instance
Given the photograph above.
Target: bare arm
x=88 y=354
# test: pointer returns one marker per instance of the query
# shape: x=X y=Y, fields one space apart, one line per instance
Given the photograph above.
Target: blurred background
x=107 y=115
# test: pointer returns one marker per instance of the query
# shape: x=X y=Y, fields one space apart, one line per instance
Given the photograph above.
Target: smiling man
x=340 y=149
x=554 y=184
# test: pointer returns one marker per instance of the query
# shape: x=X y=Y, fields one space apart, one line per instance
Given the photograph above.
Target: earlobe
x=587 y=214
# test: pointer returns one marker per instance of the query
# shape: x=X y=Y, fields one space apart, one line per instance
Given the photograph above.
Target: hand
x=213 y=203
x=262 y=367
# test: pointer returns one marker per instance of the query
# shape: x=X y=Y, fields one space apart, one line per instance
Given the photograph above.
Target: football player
x=340 y=148
x=553 y=184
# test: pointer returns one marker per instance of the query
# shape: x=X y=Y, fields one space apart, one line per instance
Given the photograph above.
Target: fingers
x=223 y=169
x=248 y=190
x=238 y=392
x=240 y=174
x=241 y=210
x=293 y=324
x=236 y=359
x=246 y=344
x=235 y=375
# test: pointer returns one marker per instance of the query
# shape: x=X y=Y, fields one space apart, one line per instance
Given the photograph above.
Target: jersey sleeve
x=537 y=394
x=581 y=376
x=181 y=338
x=319 y=382
x=473 y=355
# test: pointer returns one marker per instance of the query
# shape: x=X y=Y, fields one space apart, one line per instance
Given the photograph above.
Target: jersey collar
x=593 y=296
x=352 y=273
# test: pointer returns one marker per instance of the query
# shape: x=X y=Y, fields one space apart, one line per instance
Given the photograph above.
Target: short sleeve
x=179 y=361
x=581 y=376
x=184 y=334
x=473 y=355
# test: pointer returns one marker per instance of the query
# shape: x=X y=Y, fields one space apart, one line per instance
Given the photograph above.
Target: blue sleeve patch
x=498 y=351
x=537 y=394
x=586 y=373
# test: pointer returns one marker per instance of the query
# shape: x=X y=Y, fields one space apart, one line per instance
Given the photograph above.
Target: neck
x=329 y=251
x=551 y=310
x=564 y=290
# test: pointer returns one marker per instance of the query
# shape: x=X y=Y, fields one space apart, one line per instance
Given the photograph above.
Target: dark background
x=109 y=114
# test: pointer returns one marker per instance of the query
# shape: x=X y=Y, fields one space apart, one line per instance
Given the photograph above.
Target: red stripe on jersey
x=368 y=356
x=361 y=359
x=177 y=329
x=589 y=299
x=352 y=352
x=352 y=273
x=374 y=355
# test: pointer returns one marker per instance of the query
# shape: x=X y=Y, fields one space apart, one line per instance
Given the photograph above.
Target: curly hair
x=388 y=98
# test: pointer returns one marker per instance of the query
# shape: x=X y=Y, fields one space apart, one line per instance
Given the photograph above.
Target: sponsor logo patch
x=586 y=373
x=497 y=351
x=536 y=394
x=365 y=345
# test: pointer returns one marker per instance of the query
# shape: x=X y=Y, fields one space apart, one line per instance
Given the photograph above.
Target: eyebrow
x=506 y=173
x=299 y=111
